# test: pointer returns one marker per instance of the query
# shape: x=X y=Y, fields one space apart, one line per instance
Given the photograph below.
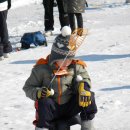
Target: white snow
x=106 y=50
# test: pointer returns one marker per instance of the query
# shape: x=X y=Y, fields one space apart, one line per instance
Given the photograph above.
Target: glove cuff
x=86 y=85
x=39 y=93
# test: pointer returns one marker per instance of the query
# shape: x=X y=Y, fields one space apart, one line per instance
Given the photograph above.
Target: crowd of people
x=68 y=10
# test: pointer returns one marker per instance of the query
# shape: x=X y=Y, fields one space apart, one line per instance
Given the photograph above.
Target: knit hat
x=60 y=48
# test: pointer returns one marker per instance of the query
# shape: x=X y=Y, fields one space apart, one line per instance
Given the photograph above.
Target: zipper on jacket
x=59 y=89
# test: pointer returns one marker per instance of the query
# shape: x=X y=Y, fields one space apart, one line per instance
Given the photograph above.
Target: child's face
x=66 y=63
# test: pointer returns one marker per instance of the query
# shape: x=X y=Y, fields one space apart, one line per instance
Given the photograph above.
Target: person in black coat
x=5 y=46
x=75 y=8
x=49 y=18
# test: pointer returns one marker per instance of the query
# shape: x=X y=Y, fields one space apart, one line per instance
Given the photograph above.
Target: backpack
x=34 y=38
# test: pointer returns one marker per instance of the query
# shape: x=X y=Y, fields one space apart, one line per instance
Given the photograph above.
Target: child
x=60 y=87
x=5 y=46
x=75 y=8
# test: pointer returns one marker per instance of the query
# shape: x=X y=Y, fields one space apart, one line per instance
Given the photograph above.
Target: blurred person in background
x=5 y=46
x=49 y=18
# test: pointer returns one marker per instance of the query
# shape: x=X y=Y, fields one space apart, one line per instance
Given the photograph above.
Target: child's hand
x=84 y=95
x=44 y=92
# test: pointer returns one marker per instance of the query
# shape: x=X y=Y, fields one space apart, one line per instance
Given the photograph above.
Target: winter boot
x=1 y=53
x=1 y=50
x=1 y=58
x=87 y=125
x=41 y=128
x=7 y=48
x=48 y=33
x=6 y=55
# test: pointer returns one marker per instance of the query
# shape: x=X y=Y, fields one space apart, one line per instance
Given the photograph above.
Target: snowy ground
x=106 y=50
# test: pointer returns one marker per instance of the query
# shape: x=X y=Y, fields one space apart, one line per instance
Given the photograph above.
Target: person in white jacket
x=5 y=45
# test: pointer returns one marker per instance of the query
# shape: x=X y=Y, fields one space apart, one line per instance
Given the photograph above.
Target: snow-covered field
x=106 y=50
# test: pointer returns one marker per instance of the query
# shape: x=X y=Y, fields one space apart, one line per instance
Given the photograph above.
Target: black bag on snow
x=35 y=38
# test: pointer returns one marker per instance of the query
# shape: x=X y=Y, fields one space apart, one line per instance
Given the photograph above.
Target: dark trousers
x=63 y=16
x=49 y=111
x=5 y=46
x=49 y=18
x=72 y=20
x=3 y=27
